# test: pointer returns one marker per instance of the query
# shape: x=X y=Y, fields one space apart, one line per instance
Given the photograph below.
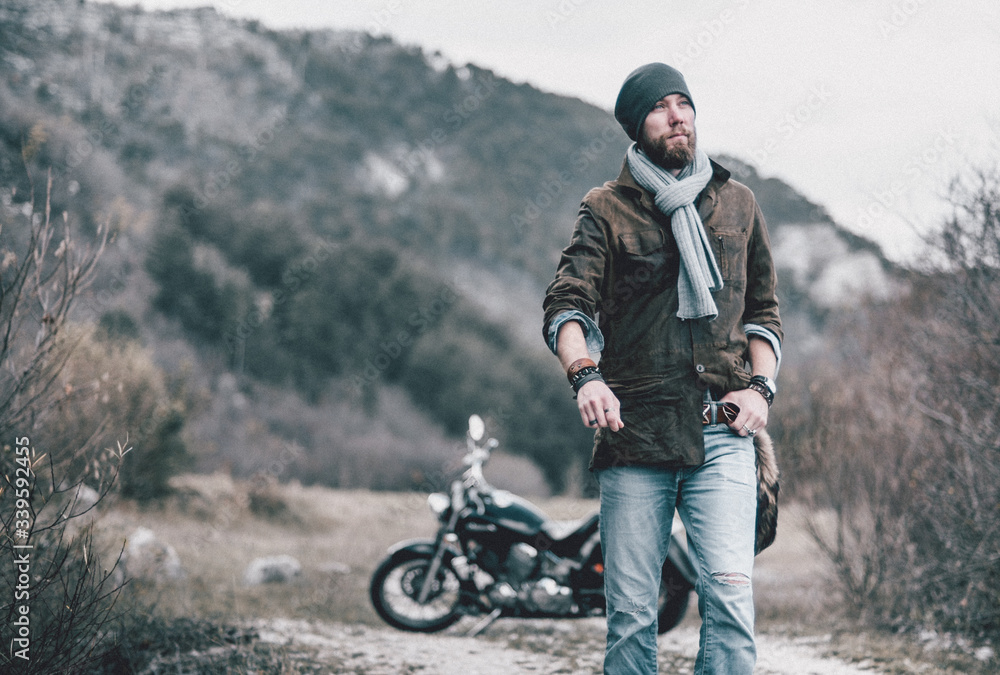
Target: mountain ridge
x=309 y=192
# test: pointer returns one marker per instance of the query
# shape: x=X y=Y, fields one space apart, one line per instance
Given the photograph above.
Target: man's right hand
x=599 y=407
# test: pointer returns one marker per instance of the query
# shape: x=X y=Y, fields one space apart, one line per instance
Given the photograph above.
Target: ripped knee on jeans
x=731 y=578
x=631 y=607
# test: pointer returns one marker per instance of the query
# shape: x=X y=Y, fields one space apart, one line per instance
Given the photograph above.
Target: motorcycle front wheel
x=395 y=592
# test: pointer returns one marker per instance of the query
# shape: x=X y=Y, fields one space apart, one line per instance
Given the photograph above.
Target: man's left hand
x=753 y=411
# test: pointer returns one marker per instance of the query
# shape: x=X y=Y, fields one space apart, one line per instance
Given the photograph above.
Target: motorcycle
x=498 y=555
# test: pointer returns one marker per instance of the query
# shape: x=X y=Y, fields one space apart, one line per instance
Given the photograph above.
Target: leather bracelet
x=577 y=366
x=582 y=373
x=587 y=377
x=763 y=391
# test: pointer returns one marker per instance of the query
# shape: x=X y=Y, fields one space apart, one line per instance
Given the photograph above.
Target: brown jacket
x=621 y=269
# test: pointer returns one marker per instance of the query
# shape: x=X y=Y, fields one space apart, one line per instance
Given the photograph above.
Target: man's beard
x=674 y=157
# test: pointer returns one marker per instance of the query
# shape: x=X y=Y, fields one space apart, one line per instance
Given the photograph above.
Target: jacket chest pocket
x=646 y=261
x=730 y=250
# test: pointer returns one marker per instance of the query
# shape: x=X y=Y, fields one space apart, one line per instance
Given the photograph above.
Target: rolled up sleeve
x=591 y=332
x=761 y=308
x=576 y=289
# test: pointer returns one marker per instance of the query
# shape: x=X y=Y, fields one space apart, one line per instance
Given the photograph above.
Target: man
x=669 y=276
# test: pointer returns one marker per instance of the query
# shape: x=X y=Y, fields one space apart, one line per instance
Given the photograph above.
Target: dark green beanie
x=642 y=89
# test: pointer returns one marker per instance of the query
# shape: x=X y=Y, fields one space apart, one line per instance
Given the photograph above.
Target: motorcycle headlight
x=439 y=502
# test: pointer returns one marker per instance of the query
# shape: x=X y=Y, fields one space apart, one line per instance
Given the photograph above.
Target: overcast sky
x=867 y=107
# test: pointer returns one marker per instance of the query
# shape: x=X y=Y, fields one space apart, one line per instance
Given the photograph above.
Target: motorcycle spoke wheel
x=395 y=594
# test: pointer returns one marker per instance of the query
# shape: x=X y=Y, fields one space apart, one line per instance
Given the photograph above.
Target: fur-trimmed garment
x=767 y=491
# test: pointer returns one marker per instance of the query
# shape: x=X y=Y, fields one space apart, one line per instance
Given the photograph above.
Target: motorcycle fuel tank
x=508 y=511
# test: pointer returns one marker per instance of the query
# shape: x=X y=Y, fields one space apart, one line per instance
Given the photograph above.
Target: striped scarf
x=674 y=197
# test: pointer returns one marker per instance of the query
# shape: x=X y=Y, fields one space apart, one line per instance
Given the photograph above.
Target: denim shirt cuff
x=760 y=331
x=595 y=340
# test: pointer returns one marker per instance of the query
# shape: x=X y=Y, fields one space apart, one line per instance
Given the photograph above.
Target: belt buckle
x=710 y=412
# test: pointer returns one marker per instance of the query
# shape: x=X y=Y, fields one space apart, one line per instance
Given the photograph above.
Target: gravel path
x=510 y=647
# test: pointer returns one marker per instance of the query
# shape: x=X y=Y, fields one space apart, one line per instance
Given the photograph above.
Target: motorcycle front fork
x=465 y=573
x=443 y=540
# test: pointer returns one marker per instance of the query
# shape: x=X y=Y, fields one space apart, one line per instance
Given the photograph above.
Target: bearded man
x=669 y=276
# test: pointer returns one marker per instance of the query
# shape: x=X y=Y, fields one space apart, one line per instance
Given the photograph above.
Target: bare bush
x=56 y=598
x=903 y=439
x=43 y=271
x=956 y=533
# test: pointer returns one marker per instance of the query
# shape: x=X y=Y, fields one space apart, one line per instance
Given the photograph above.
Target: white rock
x=276 y=569
x=147 y=557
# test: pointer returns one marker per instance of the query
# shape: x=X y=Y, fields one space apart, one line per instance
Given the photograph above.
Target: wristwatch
x=764 y=386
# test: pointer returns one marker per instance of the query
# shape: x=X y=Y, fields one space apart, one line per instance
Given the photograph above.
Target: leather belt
x=715 y=412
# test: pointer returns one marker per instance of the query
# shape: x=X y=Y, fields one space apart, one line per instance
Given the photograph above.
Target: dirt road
x=511 y=647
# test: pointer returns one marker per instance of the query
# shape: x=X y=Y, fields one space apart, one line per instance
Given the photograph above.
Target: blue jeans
x=717 y=502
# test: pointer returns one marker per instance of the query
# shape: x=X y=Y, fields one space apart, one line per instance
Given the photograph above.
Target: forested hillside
x=333 y=245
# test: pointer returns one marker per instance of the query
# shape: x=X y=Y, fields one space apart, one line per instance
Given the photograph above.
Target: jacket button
x=700 y=368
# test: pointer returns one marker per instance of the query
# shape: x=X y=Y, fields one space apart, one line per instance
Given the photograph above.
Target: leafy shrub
x=196 y=285
x=113 y=390
x=464 y=364
x=265 y=499
x=118 y=325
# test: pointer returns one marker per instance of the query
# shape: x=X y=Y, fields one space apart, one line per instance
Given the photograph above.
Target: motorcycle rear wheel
x=395 y=589
x=675 y=593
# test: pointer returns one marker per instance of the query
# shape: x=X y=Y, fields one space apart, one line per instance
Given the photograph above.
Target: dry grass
x=793 y=580
x=340 y=535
